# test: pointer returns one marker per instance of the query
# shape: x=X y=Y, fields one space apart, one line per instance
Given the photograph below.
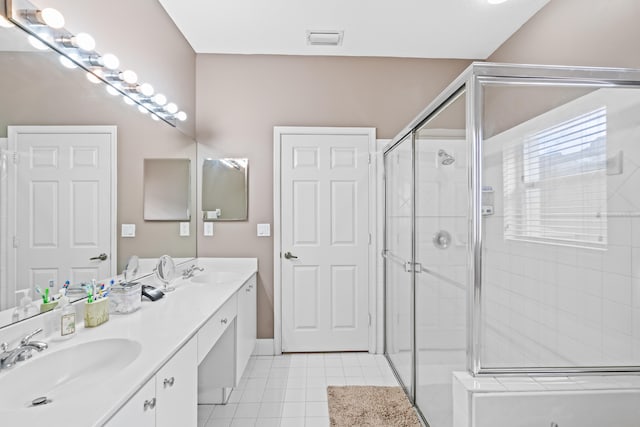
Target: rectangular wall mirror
x=167 y=189
x=224 y=189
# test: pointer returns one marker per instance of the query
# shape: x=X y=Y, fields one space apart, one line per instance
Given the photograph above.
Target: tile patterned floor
x=290 y=390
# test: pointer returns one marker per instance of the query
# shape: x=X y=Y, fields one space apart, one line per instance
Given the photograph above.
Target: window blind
x=555 y=183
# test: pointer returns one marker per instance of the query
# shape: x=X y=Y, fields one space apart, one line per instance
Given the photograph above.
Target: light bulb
x=35 y=42
x=142 y=109
x=84 y=41
x=171 y=108
x=66 y=62
x=146 y=89
x=128 y=100
x=5 y=23
x=160 y=99
x=112 y=91
x=110 y=61
x=129 y=77
x=51 y=17
x=92 y=76
x=181 y=115
x=155 y=118
x=496 y=1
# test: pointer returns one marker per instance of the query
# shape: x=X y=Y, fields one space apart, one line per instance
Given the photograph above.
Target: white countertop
x=161 y=327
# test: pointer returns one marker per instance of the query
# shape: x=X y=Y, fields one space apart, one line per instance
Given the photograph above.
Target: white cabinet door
x=177 y=389
x=247 y=320
x=140 y=411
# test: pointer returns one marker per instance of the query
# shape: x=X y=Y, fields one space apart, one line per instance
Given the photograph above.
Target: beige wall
x=578 y=32
x=241 y=98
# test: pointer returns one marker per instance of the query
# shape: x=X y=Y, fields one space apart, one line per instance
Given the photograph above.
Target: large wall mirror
x=45 y=105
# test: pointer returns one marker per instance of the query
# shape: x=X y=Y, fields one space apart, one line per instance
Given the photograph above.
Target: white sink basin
x=216 y=277
x=60 y=375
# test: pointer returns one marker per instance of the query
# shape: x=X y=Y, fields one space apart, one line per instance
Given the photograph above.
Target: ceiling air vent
x=324 y=38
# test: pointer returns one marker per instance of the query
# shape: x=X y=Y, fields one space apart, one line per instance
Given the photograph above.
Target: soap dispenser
x=64 y=318
x=26 y=308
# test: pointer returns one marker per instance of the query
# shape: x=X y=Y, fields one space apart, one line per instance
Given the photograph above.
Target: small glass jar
x=125 y=297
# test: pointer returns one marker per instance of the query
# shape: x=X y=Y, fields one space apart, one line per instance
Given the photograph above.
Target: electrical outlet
x=264 y=230
x=208 y=229
x=184 y=229
x=128 y=230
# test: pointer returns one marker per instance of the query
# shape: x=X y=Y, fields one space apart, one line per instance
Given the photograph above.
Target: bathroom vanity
x=145 y=368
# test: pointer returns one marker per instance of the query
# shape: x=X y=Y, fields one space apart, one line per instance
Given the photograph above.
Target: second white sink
x=216 y=277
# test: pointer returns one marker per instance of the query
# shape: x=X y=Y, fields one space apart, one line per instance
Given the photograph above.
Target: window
x=555 y=184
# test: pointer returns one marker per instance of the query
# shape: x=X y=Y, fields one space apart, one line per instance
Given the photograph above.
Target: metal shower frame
x=472 y=82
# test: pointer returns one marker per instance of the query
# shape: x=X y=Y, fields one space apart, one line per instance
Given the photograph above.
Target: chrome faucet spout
x=8 y=358
x=190 y=271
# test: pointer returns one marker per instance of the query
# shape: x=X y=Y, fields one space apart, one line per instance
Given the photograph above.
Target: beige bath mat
x=369 y=406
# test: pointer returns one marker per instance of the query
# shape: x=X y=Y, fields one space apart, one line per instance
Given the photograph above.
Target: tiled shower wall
x=441 y=205
x=551 y=305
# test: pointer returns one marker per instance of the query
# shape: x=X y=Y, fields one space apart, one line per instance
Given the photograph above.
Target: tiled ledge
x=483 y=384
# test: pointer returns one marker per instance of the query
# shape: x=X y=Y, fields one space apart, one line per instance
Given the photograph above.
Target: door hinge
x=369 y=238
x=16 y=157
x=369 y=156
x=16 y=242
x=369 y=319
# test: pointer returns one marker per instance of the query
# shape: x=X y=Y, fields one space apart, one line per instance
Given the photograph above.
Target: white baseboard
x=264 y=347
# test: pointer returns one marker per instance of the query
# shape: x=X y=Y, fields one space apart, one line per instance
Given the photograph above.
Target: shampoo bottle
x=64 y=318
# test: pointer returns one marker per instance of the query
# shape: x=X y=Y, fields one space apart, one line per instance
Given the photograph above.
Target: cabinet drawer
x=215 y=326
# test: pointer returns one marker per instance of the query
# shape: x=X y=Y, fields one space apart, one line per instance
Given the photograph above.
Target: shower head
x=445 y=158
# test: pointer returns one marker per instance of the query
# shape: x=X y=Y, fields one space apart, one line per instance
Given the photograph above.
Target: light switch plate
x=208 y=229
x=264 y=230
x=128 y=230
x=184 y=229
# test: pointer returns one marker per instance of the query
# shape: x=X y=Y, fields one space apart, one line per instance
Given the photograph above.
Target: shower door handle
x=407 y=267
x=411 y=267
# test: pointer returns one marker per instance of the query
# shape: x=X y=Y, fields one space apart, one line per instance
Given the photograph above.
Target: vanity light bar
x=47 y=27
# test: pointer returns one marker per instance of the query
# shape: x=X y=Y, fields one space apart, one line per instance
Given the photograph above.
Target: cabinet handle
x=150 y=404
x=224 y=321
x=169 y=382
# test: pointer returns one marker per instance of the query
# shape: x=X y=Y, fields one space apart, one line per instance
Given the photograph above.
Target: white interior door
x=63 y=185
x=325 y=229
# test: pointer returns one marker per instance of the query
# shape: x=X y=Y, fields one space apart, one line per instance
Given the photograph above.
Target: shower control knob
x=442 y=239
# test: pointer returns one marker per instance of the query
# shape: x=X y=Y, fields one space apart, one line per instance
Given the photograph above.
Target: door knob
x=101 y=257
x=289 y=255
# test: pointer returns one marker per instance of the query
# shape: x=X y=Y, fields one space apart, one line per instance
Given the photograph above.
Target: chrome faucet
x=8 y=358
x=190 y=271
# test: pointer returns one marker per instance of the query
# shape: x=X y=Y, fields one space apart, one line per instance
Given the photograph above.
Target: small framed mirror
x=167 y=189
x=224 y=189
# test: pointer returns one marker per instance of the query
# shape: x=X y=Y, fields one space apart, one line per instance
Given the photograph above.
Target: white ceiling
x=469 y=29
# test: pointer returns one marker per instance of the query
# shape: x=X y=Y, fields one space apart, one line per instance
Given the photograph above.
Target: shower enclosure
x=512 y=219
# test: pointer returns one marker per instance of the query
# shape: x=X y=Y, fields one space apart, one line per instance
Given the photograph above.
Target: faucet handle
x=26 y=339
x=4 y=346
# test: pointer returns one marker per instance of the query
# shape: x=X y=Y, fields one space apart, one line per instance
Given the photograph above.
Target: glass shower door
x=441 y=234
x=399 y=312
